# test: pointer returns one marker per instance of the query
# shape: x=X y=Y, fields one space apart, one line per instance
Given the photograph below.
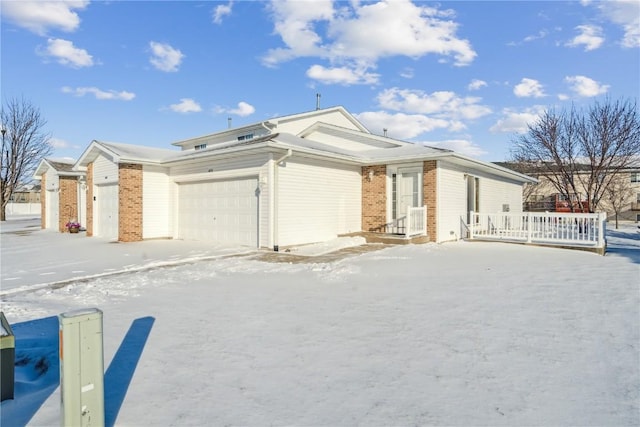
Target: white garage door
x=51 y=200
x=107 y=211
x=219 y=211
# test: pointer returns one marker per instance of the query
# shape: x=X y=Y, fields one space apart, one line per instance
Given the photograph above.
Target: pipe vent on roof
x=318 y=101
x=384 y=131
x=229 y=120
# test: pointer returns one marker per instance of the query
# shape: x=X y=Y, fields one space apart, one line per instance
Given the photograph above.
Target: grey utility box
x=7 y=359
x=81 y=368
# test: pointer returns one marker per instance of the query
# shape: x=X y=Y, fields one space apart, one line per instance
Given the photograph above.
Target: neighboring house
x=286 y=181
x=624 y=192
x=65 y=193
x=29 y=193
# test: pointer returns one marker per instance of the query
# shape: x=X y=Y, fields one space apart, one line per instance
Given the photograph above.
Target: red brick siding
x=429 y=193
x=130 y=202
x=374 y=198
x=89 y=224
x=68 y=201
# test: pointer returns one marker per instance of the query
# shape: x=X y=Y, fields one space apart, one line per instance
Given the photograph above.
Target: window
x=245 y=137
x=635 y=176
x=200 y=146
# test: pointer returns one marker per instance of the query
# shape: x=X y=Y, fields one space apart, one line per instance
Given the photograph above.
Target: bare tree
x=619 y=195
x=581 y=152
x=23 y=145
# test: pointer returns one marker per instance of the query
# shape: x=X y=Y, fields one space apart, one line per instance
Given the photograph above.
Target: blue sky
x=464 y=75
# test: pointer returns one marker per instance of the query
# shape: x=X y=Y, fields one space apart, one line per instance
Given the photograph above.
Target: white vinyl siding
x=452 y=202
x=317 y=201
x=493 y=193
x=105 y=171
x=156 y=203
x=299 y=124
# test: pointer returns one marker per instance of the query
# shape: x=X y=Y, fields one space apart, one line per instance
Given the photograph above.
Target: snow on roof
x=138 y=152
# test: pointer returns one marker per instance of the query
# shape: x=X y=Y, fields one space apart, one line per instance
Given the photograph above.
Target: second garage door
x=219 y=211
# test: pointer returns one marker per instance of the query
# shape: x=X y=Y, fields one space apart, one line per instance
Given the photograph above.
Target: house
x=64 y=197
x=289 y=180
x=622 y=194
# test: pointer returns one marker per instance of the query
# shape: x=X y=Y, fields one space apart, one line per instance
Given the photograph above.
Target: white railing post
x=471 y=227
x=602 y=220
x=529 y=227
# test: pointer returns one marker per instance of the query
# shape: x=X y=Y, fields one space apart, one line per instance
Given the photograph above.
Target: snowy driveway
x=32 y=258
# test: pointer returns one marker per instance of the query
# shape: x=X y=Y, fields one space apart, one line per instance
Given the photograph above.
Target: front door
x=407 y=192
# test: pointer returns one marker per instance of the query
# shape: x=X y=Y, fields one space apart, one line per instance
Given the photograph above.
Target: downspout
x=276 y=198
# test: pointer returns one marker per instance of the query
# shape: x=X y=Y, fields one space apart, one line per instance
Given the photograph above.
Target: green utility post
x=81 y=368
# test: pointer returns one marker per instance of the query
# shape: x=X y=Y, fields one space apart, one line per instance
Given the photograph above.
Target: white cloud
x=476 y=84
x=186 y=105
x=341 y=75
x=513 y=121
x=41 y=16
x=442 y=104
x=400 y=125
x=99 y=94
x=58 y=144
x=586 y=87
x=164 y=57
x=363 y=33
x=528 y=88
x=243 y=109
x=590 y=37
x=67 y=54
x=461 y=146
x=541 y=34
x=221 y=11
x=407 y=73
x=626 y=14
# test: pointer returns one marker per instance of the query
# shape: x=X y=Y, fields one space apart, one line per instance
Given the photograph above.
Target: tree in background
x=581 y=152
x=619 y=195
x=23 y=145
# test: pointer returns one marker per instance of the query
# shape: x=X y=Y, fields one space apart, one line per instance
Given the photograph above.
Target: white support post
x=472 y=220
x=81 y=368
x=602 y=220
x=529 y=227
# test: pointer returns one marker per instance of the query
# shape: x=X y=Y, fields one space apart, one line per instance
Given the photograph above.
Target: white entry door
x=106 y=211
x=224 y=211
x=407 y=192
x=53 y=210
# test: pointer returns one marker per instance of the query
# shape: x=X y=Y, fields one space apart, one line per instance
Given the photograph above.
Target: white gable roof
x=293 y=124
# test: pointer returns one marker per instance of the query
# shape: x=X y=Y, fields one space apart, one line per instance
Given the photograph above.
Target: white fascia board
x=490 y=167
x=91 y=153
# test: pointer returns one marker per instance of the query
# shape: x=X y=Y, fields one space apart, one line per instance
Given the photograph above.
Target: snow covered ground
x=466 y=333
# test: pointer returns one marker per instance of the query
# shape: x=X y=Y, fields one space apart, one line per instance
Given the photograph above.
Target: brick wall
x=89 y=220
x=374 y=198
x=68 y=201
x=430 y=192
x=130 y=202
x=43 y=202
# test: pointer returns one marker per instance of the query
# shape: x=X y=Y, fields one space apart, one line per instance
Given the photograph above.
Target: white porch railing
x=571 y=229
x=416 y=221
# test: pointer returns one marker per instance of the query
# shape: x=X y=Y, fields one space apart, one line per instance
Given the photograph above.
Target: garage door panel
x=220 y=211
